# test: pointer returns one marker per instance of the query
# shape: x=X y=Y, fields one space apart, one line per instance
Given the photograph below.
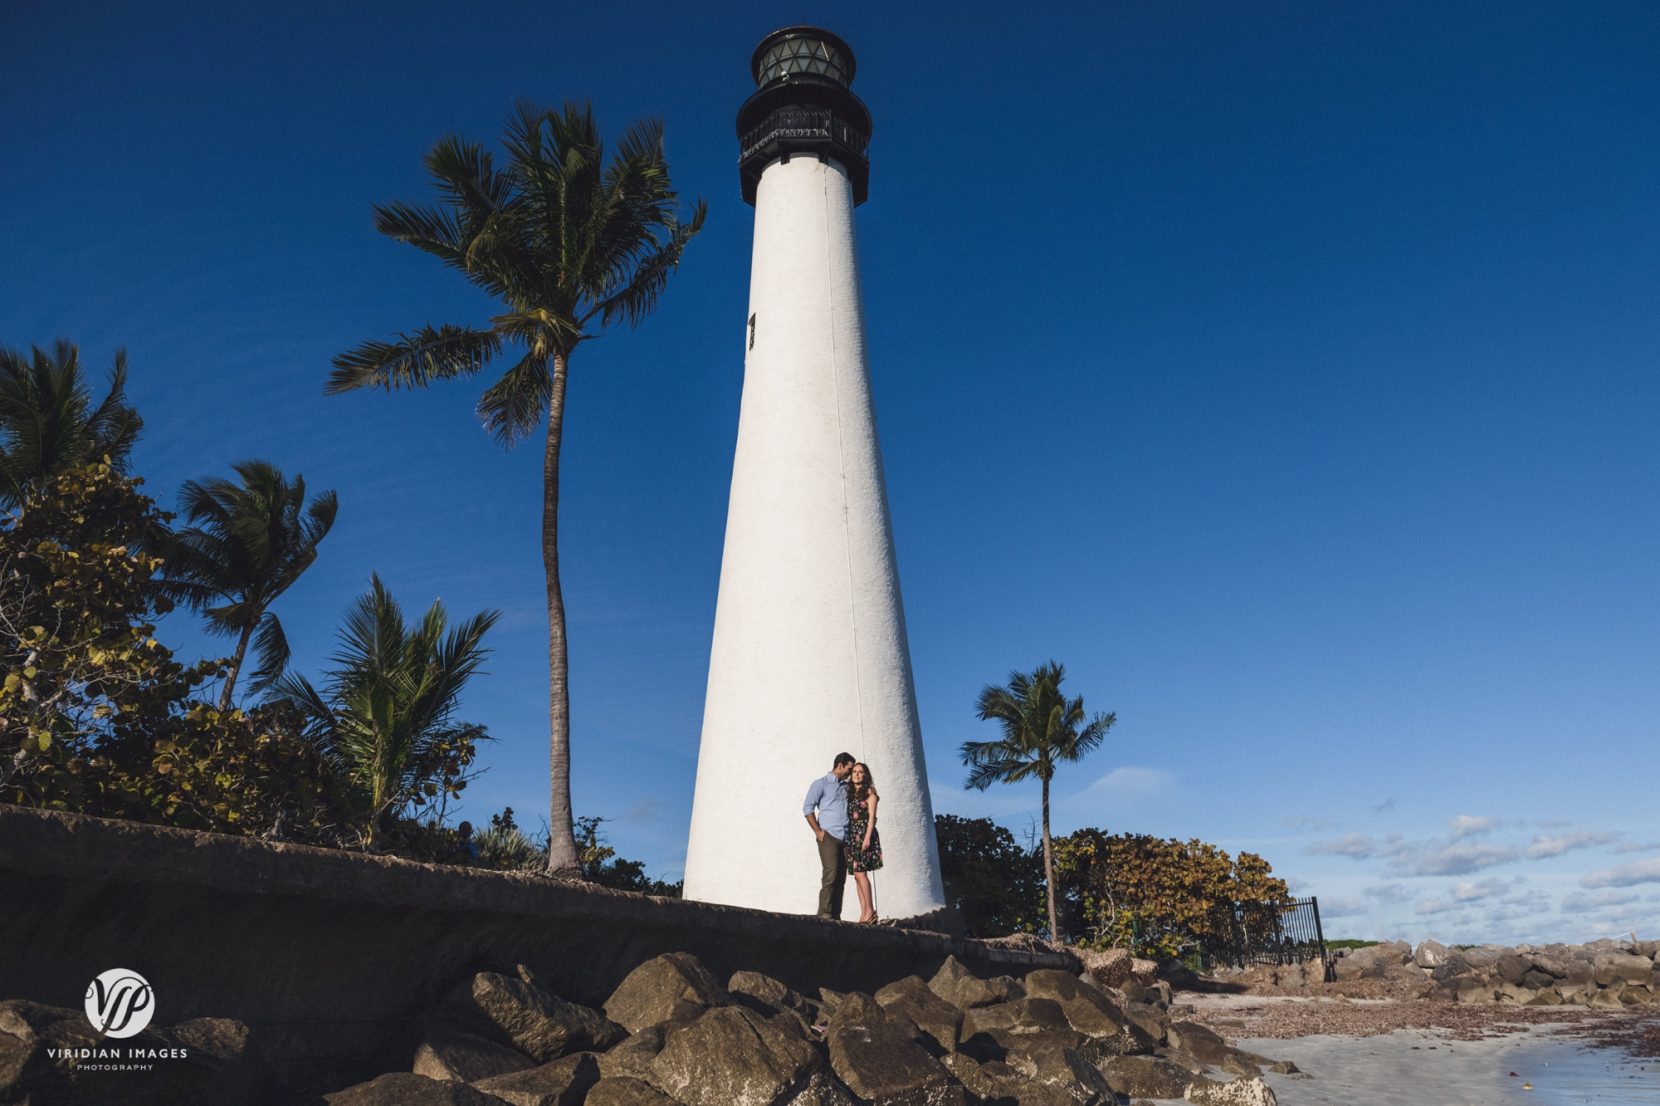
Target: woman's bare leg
x=862 y=882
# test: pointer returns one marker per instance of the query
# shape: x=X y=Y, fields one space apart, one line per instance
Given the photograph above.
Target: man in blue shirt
x=826 y=811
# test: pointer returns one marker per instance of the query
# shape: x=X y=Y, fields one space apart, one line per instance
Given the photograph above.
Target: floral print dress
x=862 y=859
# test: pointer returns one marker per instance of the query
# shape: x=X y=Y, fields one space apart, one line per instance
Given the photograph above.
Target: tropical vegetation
x=248 y=543
x=99 y=716
x=1040 y=729
x=569 y=242
x=48 y=424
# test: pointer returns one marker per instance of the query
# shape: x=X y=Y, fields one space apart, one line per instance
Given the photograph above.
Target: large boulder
x=1146 y=1076
x=1430 y=954
x=631 y=1058
x=1064 y=1072
x=1109 y=968
x=626 y=1092
x=449 y=1053
x=1151 y=1022
x=963 y=989
x=1240 y=1092
x=564 y=1082
x=1211 y=1051
x=873 y=1053
x=1374 y=960
x=1512 y=967
x=1020 y=1017
x=672 y=986
x=525 y=1016
x=912 y=999
x=1624 y=967
x=971 y=1074
x=766 y=994
x=732 y=1056
x=1452 y=966
x=405 y=1088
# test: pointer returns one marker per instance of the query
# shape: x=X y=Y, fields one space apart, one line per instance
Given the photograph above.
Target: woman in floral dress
x=864 y=845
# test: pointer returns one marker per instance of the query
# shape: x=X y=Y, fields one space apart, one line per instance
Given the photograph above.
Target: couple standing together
x=841 y=809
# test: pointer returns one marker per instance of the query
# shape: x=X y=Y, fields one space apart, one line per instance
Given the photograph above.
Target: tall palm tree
x=385 y=713
x=1041 y=728
x=569 y=242
x=247 y=545
x=48 y=423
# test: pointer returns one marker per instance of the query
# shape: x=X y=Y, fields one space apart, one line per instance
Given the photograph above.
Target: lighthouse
x=810 y=656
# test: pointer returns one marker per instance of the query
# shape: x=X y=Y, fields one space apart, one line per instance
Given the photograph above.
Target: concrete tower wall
x=810 y=655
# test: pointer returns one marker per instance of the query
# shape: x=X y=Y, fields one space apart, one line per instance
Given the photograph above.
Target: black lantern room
x=803 y=105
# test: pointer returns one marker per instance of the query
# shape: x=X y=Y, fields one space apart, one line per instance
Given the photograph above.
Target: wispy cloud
x=1582 y=902
x=1567 y=842
x=1358 y=846
x=1626 y=875
x=1470 y=825
x=1384 y=807
x=1465 y=892
x=1453 y=859
x=1130 y=782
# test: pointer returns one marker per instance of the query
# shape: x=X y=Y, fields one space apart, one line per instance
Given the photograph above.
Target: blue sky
x=1313 y=345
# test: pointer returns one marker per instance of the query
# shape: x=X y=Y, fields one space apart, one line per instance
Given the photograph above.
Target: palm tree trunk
x=562 y=857
x=236 y=667
x=1049 y=865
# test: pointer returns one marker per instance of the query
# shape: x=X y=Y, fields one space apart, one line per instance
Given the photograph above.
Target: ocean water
x=1425 y=1068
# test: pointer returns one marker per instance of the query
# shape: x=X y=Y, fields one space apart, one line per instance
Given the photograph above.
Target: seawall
x=328 y=956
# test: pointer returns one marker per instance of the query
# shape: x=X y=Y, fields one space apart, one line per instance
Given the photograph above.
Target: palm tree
x=48 y=423
x=385 y=714
x=569 y=243
x=247 y=545
x=1041 y=727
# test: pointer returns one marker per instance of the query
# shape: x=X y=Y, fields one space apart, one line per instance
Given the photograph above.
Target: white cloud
x=1567 y=842
x=1387 y=892
x=1586 y=902
x=1130 y=782
x=1450 y=860
x=1358 y=846
x=1465 y=892
x=1641 y=871
x=1637 y=847
x=1474 y=890
x=1343 y=908
x=1470 y=825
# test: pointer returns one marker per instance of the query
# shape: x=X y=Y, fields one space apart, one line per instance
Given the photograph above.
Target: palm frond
x=513 y=406
x=271 y=646
x=414 y=360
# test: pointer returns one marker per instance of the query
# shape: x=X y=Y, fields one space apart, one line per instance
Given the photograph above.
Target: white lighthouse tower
x=810 y=656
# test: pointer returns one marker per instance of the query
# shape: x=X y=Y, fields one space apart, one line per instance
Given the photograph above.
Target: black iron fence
x=1242 y=934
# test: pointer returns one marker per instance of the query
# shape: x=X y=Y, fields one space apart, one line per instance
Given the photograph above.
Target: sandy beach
x=1391 y=1053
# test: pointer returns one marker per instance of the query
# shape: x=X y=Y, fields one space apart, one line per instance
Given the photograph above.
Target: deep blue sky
x=1287 y=370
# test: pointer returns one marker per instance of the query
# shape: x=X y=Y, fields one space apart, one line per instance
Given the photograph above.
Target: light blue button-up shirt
x=829 y=796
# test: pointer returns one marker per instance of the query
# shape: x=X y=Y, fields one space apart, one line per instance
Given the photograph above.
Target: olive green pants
x=833 y=860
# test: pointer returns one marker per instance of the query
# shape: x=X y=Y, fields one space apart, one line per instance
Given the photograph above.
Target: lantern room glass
x=800 y=54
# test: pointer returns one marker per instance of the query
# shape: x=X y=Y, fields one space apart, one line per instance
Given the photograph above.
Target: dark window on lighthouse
x=752 y=332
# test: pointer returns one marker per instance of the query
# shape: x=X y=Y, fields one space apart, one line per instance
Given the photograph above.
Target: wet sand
x=1540 y=1066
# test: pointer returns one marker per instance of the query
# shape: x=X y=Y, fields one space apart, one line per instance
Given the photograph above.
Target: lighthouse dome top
x=795 y=52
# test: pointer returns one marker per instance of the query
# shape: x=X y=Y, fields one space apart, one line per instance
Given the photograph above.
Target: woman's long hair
x=858 y=792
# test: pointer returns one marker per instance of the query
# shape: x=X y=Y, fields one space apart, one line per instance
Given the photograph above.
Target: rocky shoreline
x=1603 y=974
x=672 y=1034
